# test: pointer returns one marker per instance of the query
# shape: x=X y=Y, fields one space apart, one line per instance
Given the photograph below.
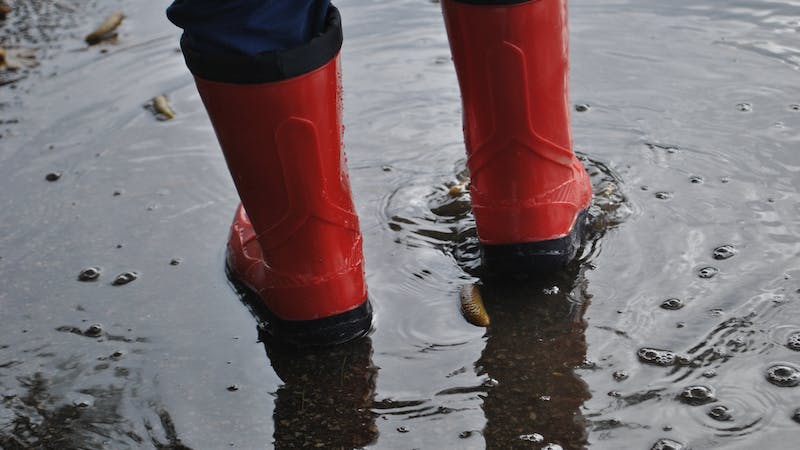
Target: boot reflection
x=535 y=341
x=327 y=395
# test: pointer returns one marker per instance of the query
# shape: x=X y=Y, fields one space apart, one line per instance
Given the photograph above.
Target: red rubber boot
x=529 y=191
x=277 y=117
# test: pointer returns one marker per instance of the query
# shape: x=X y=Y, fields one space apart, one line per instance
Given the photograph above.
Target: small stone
x=94 y=330
x=672 y=304
x=89 y=274
x=697 y=395
x=667 y=444
x=620 y=375
x=124 y=278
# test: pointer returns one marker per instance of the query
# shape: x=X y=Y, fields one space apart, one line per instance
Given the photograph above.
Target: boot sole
x=326 y=331
x=521 y=260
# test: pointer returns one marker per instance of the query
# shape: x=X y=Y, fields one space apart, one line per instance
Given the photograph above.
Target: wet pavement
x=679 y=327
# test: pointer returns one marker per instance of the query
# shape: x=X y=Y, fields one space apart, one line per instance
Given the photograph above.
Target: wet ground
x=688 y=114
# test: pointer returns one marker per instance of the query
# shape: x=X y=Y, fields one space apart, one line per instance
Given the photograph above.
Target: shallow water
x=691 y=137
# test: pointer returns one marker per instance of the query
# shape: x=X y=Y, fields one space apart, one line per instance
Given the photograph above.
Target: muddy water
x=691 y=137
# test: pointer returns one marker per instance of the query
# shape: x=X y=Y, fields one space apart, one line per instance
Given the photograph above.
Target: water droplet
x=667 y=444
x=793 y=341
x=720 y=413
x=89 y=274
x=52 y=176
x=663 y=195
x=672 y=304
x=124 y=278
x=533 y=437
x=744 y=107
x=724 y=252
x=402 y=430
x=696 y=179
x=175 y=261
x=94 y=330
x=581 y=107
x=697 y=395
x=783 y=375
x=620 y=375
x=707 y=272
x=233 y=388
x=656 y=356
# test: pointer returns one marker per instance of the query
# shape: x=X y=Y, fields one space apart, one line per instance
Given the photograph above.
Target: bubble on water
x=53 y=176
x=402 y=430
x=233 y=388
x=89 y=274
x=663 y=195
x=793 y=341
x=783 y=375
x=696 y=179
x=707 y=272
x=724 y=252
x=581 y=107
x=656 y=356
x=794 y=107
x=720 y=413
x=94 y=330
x=533 y=437
x=744 y=107
x=124 y=278
x=620 y=375
x=667 y=444
x=697 y=395
x=710 y=373
x=672 y=304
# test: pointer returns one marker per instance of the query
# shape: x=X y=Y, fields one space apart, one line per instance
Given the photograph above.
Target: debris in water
x=162 y=109
x=106 y=30
x=720 y=413
x=793 y=341
x=672 y=304
x=656 y=356
x=783 y=375
x=667 y=444
x=4 y=10
x=94 y=331
x=125 y=278
x=707 y=272
x=697 y=395
x=52 y=176
x=724 y=252
x=472 y=306
x=89 y=274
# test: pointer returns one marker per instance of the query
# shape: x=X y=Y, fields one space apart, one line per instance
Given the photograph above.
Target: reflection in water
x=535 y=341
x=326 y=398
x=327 y=393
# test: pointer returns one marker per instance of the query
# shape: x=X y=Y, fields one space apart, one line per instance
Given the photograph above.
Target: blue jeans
x=247 y=26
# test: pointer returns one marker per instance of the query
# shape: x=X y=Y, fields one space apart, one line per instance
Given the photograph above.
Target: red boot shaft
x=512 y=67
x=277 y=116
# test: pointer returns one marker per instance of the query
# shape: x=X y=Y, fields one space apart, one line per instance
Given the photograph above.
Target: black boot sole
x=327 y=331
x=525 y=259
